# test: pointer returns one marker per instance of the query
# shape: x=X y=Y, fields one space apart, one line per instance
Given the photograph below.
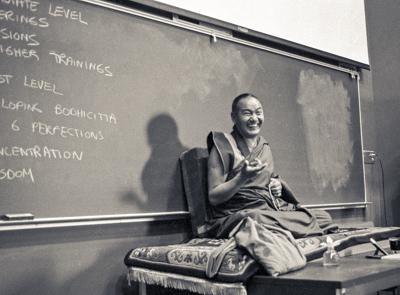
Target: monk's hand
x=252 y=169
x=276 y=187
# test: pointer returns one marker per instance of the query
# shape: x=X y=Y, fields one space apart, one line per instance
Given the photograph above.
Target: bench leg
x=142 y=288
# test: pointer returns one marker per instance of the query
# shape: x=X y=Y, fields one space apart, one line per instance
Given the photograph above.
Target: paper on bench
x=392 y=257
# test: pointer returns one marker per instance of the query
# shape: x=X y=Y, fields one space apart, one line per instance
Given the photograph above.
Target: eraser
x=19 y=216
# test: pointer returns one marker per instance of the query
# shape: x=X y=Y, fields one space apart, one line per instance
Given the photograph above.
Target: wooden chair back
x=194 y=175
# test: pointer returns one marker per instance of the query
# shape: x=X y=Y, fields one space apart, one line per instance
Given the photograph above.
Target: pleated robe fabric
x=254 y=199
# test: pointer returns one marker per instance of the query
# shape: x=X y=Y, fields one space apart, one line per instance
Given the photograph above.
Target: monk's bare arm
x=220 y=190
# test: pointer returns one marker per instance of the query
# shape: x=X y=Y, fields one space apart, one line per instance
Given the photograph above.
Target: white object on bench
x=391 y=257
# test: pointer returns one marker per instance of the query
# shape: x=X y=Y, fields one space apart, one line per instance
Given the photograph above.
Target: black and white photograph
x=199 y=147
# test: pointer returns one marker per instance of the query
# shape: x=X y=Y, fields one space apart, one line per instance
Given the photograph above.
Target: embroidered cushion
x=313 y=248
x=191 y=259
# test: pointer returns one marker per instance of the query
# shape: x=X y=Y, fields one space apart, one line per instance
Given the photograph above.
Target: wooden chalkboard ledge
x=59 y=222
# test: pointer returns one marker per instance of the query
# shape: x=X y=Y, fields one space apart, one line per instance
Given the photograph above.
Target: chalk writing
x=30 y=39
x=23 y=4
x=14 y=126
x=10 y=174
x=70 y=14
x=62 y=58
x=41 y=84
x=38 y=152
x=9 y=15
x=80 y=113
x=19 y=106
x=65 y=132
x=19 y=52
x=4 y=78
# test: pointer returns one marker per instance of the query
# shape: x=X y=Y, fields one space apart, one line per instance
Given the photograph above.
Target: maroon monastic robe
x=254 y=199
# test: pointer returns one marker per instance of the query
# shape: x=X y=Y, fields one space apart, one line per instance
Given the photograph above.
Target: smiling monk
x=242 y=182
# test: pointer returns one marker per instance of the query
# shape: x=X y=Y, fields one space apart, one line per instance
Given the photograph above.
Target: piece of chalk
x=19 y=216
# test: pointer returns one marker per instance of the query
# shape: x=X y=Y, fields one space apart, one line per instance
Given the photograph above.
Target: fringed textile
x=182 y=282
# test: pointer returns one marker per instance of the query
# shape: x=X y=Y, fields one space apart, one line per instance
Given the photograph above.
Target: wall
x=383 y=29
x=304 y=22
x=78 y=260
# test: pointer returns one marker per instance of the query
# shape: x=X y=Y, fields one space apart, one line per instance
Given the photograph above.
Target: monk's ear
x=233 y=117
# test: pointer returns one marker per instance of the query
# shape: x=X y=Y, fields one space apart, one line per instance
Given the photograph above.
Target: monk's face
x=248 y=117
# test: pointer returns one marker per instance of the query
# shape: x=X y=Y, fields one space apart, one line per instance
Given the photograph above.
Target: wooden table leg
x=142 y=288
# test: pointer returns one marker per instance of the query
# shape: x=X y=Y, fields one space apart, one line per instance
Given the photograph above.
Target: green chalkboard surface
x=97 y=105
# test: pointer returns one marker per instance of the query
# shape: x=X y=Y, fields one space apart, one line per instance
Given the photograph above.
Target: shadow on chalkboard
x=161 y=177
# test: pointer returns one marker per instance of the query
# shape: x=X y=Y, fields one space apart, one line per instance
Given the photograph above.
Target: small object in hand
x=255 y=162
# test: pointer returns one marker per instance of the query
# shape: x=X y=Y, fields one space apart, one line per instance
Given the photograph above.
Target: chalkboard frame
x=214 y=34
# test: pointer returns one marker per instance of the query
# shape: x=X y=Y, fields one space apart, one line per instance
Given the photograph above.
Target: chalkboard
x=98 y=104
